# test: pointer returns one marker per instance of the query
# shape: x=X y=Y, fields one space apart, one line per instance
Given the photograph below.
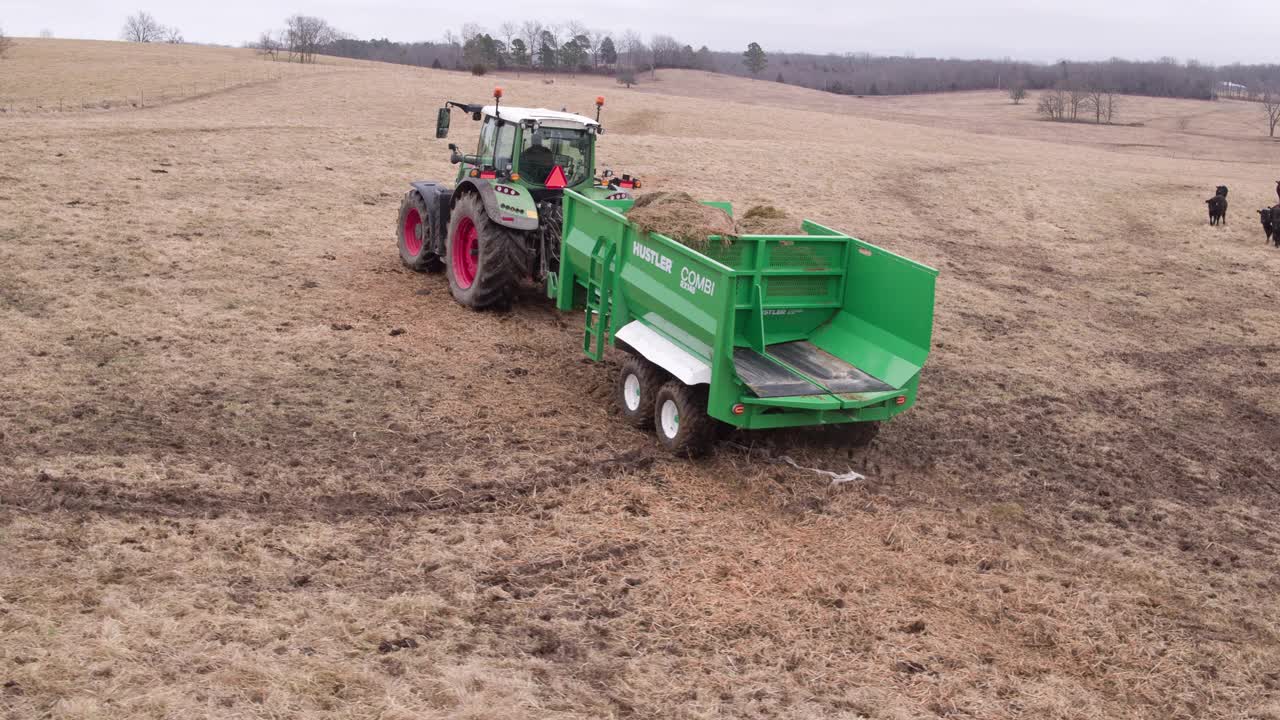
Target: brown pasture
x=227 y=489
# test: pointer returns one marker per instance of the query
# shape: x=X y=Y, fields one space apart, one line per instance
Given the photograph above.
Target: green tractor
x=501 y=220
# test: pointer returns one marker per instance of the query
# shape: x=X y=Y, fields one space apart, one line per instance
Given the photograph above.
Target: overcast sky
x=1215 y=32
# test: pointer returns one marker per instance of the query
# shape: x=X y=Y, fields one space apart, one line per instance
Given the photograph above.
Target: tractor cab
x=537 y=148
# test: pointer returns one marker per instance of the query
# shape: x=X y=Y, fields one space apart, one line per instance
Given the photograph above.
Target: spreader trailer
x=764 y=331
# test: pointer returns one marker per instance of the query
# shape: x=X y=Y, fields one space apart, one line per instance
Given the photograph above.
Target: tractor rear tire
x=414 y=235
x=638 y=385
x=484 y=260
x=681 y=421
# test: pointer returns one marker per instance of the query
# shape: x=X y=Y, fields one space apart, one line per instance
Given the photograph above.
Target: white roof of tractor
x=542 y=116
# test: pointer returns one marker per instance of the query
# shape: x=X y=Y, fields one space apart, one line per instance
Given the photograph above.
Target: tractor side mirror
x=455 y=157
x=442 y=123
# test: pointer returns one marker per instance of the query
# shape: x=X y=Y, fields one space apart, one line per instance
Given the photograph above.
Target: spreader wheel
x=638 y=384
x=680 y=419
x=413 y=235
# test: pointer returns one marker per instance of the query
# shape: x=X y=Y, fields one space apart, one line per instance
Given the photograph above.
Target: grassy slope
x=214 y=501
x=40 y=73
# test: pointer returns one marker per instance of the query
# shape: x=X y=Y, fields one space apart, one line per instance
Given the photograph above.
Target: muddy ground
x=252 y=467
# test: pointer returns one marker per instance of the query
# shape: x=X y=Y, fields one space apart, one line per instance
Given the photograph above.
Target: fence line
x=142 y=97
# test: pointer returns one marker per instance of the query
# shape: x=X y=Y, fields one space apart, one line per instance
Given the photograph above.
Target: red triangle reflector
x=556 y=179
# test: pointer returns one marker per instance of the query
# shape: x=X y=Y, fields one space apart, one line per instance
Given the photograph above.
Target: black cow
x=1271 y=223
x=1218 y=206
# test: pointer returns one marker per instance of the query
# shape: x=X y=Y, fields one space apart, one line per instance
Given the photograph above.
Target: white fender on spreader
x=685 y=366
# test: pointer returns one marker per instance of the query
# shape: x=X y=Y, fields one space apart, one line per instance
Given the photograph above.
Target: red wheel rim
x=463 y=254
x=412 y=242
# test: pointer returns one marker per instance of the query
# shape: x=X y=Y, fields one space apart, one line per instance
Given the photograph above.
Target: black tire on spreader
x=636 y=402
x=692 y=431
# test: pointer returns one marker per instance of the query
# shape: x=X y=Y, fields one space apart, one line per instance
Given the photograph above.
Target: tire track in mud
x=47 y=492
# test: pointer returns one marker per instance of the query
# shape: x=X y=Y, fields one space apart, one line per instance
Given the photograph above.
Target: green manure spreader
x=766 y=331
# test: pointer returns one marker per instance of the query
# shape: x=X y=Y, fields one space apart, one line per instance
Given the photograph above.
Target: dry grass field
x=45 y=75
x=227 y=490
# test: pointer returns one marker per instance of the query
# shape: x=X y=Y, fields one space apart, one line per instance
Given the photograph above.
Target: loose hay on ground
x=682 y=218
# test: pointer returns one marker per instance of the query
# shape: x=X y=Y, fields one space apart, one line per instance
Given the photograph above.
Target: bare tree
x=666 y=50
x=268 y=44
x=1017 y=93
x=172 y=35
x=46 y=33
x=507 y=30
x=1052 y=105
x=470 y=31
x=552 y=32
x=574 y=29
x=597 y=42
x=1095 y=100
x=306 y=35
x=632 y=46
x=1270 y=104
x=1076 y=97
x=584 y=37
x=453 y=49
x=1102 y=101
x=142 y=28
x=531 y=33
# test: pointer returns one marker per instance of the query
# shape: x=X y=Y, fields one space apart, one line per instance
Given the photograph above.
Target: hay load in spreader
x=689 y=222
x=682 y=218
x=806 y=326
x=769 y=220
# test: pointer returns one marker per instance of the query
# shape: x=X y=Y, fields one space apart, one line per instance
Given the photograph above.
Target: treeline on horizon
x=573 y=49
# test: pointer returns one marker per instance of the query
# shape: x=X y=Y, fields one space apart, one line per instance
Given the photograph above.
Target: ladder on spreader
x=599 y=299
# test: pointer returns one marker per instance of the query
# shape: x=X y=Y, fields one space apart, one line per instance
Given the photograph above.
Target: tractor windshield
x=547 y=147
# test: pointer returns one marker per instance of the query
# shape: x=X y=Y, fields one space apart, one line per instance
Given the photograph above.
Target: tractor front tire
x=414 y=235
x=484 y=260
x=638 y=385
x=681 y=421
